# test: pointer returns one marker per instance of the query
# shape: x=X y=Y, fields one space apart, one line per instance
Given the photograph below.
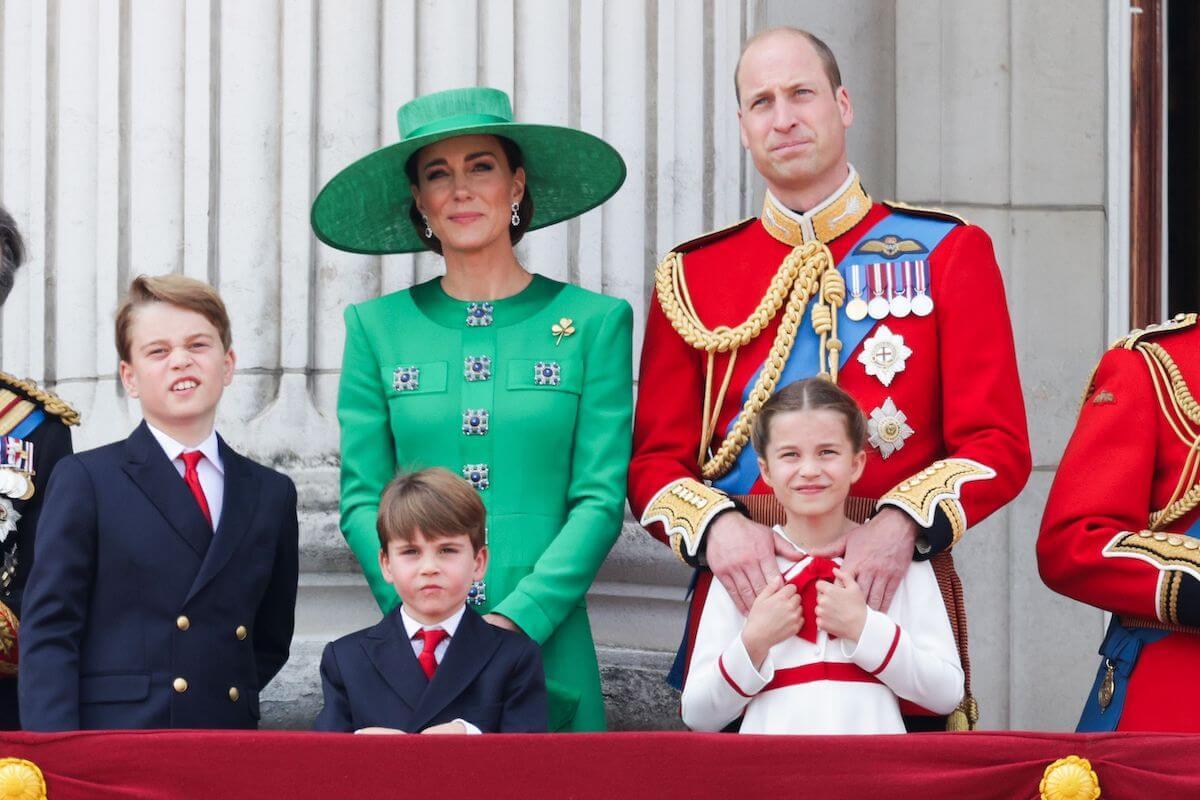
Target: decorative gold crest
x=1103 y=397
x=564 y=327
x=21 y=780
x=1070 y=778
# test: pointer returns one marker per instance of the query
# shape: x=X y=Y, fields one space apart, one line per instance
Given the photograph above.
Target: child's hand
x=775 y=615
x=841 y=607
x=447 y=727
x=378 y=730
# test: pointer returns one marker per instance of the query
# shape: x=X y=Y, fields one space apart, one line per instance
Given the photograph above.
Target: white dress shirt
x=450 y=625
x=210 y=469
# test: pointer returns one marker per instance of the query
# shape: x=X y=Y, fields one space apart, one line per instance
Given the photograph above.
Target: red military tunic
x=1116 y=530
x=957 y=450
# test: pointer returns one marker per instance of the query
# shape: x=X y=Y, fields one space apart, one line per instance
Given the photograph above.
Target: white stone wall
x=190 y=136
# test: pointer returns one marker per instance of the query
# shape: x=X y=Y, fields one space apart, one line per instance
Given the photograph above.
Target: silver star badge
x=889 y=428
x=884 y=354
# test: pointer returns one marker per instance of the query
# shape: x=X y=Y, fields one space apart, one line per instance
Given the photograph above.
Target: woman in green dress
x=519 y=383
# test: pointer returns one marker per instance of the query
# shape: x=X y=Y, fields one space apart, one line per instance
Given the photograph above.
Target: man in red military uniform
x=1122 y=527
x=904 y=308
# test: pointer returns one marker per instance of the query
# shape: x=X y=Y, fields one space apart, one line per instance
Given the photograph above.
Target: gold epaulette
x=712 y=236
x=50 y=402
x=1177 y=323
x=921 y=211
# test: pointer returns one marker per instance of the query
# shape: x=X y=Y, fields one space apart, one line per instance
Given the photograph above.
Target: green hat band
x=456 y=123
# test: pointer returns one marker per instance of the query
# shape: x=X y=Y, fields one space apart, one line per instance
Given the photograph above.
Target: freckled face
x=466 y=189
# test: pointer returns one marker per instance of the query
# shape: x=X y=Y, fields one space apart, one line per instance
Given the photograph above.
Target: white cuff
x=471 y=729
x=739 y=672
x=875 y=646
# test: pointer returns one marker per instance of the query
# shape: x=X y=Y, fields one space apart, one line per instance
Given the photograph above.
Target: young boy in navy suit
x=163 y=590
x=432 y=665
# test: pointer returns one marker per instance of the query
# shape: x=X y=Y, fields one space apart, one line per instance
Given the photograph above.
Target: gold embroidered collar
x=826 y=221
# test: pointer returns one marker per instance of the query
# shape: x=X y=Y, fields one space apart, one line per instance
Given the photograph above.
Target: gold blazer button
x=180 y=685
x=234 y=694
x=240 y=632
x=183 y=623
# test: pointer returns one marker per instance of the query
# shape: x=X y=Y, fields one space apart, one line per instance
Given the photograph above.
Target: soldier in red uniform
x=1122 y=527
x=902 y=307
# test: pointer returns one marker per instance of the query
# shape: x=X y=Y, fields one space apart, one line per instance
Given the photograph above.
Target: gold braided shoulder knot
x=50 y=402
x=806 y=271
x=1182 y=412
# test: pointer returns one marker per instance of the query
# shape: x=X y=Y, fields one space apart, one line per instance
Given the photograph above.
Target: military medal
x=879 y=306
x=856 y=309
x=884 y=354
x=922 y=304
x=899 y=288
x=889 y=428
x=1108 y=686
x=9 y=517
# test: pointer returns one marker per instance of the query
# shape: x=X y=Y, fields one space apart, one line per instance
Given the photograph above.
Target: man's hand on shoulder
x=878 y=554
x=741 y=555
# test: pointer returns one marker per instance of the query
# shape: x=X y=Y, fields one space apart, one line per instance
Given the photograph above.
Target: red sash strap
x=842 y=671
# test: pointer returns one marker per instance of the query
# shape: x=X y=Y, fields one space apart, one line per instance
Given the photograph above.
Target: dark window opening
x=1183 y=157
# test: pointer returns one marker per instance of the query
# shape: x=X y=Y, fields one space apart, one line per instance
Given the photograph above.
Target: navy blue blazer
x=488 y=676
x=132 y=618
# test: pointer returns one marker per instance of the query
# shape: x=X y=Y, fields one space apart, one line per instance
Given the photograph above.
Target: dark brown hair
x=177 y=290
x=435 y=502
x=512 y=154
x=828 y=59
x=12 y=253
x=809 y=394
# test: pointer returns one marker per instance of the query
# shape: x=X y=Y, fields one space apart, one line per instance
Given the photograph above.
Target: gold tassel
x=965 y=717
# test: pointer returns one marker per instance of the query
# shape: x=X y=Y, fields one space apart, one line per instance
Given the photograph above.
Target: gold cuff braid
x=1163 y=550
x=938 y=486
x=685 y=507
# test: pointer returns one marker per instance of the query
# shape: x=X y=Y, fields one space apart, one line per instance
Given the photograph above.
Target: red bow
x=805 y=581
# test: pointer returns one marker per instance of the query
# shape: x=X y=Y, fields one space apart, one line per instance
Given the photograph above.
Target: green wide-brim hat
x=364 y=208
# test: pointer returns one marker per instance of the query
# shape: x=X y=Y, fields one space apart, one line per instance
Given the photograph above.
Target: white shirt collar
x=807 y=216
x=174 y=449
x=449 y=624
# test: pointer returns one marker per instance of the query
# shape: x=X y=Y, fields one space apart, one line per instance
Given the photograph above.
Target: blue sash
x=28 y=424
x=1120 y=648
x=802 y=361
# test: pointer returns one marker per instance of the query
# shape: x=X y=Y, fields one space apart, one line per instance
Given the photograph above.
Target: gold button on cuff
x=180 y=685
x=183 y=623
x=240 y=632
x=234 y=694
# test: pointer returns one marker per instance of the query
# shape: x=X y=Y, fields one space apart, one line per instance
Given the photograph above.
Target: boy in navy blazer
x=433 y=665
x=163 y=590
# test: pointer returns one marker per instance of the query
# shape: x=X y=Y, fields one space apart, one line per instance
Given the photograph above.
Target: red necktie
x=433 y=637
x=805 y=581
x=192 y=479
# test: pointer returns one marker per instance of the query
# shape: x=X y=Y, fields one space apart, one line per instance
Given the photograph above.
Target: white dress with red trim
x=829 y=685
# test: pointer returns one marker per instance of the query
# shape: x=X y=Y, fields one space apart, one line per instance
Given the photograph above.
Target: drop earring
x=516 y=217
x=428 y=230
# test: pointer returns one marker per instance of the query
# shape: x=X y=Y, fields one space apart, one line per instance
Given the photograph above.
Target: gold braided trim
x=806 y=271
x=938 y=486
x=1182 y=414
x=927 y=211
x=1157 y=625
x=1176 y=323
x=1165 y=551
x=685 y=507
x=51 y=403
x=826 y=222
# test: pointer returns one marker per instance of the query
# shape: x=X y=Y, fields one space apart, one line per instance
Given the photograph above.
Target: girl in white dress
x=811 y=656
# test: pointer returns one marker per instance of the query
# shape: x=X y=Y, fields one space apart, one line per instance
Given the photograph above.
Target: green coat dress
x=541 y=425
